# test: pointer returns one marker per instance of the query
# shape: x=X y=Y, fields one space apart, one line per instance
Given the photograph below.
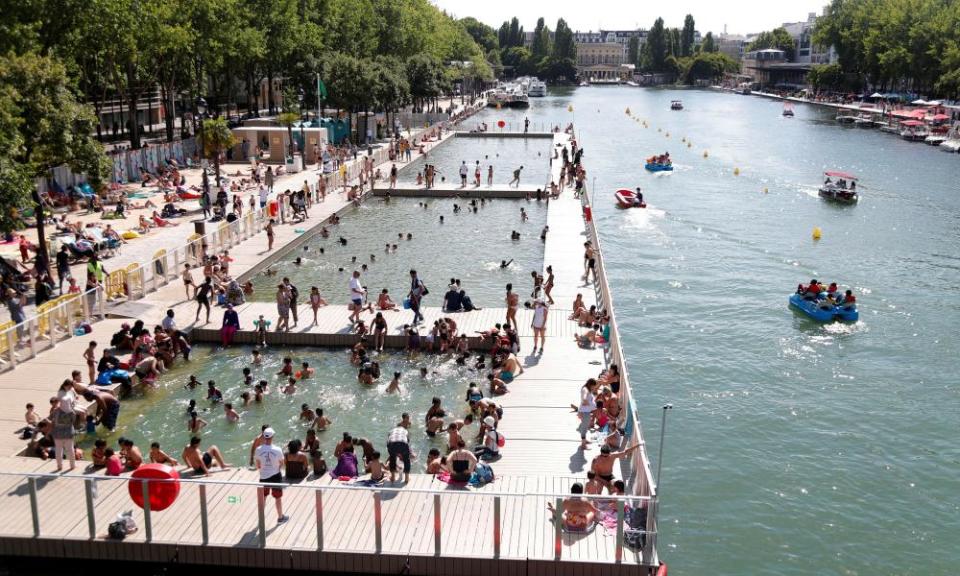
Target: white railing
x=531 y=516
x=53 y=322
x=641 y=469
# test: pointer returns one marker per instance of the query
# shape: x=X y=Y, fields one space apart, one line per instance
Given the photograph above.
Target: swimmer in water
x=298 y=261
x=505 y=263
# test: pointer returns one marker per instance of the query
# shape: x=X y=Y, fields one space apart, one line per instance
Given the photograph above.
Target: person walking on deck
x=516 y=177
x=417 y=292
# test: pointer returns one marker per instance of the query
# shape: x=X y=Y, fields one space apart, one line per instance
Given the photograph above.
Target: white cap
x=268 y=433
x=489 y=421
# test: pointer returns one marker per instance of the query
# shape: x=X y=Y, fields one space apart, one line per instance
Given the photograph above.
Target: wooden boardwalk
x=542 y=456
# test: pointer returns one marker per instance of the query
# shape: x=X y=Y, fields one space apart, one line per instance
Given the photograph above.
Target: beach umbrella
x=920 y=102
x=877 y=95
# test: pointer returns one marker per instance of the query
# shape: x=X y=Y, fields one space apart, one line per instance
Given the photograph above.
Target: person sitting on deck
x=578 y=513
x=638 y=197
x=452 y=301
x=295 y=462
x=461 y=463
x=589 y=338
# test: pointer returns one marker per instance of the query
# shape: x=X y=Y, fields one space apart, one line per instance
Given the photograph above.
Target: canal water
x=793 y=447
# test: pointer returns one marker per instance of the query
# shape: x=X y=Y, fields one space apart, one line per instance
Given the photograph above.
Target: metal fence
x=59 y=521
x=644 y=483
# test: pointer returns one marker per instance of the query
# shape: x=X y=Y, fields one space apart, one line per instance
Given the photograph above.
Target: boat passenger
x=832 y=290
x=848 y=300
x=638 y=197
x=812 y=290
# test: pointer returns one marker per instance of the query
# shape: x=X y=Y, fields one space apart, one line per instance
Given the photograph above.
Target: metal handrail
x=648 y=558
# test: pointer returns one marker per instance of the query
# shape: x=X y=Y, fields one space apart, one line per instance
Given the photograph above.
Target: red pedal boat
x=628 y=199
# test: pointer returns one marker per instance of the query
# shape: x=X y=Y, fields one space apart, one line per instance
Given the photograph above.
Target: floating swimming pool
x=467 y=245
x=160 y=415
x=504 y=154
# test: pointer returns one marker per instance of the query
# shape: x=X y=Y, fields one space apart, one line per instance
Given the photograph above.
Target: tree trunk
x=216 y=167
x=169 y=109
x=41 y=233
x=270 y=103
x=132 y=108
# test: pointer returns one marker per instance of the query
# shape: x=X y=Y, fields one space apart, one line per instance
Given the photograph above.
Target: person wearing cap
x=398 y=446
x=490 y=449
x=269 y=459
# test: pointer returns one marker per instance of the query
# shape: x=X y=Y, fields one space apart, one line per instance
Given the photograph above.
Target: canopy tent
x=940 y=117
x=911 y=123
x=838 y=174
x=919 y=102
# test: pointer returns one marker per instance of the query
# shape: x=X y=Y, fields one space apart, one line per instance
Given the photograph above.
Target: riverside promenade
x=425 y=527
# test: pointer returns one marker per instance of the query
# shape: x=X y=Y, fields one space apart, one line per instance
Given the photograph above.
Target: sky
x=740 y=16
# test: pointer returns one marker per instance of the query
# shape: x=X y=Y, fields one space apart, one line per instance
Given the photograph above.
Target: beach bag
x=406 y=303
x=482 y=474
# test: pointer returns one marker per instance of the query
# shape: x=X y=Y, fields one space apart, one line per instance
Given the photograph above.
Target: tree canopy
x=896 y=44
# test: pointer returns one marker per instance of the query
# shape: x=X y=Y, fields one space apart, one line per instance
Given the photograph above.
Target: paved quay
x=427 y=527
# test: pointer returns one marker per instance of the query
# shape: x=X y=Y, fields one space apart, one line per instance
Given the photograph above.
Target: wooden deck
x=541 y=456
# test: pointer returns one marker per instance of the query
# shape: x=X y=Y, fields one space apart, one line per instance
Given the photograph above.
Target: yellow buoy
x=705 y=154
x=570 y=108
x=765 y=190
x=817 y=233
x=689 y=145
x=736 y=171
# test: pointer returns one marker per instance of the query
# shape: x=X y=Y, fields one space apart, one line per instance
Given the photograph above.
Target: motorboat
x=914 y=130
x=865 y=120
x=822 y=309
x=935 y=139
x=632 y=83
x=628 y=199
x=676 y=105
x=839 y=187
x=788 y=109
x=537 y=89
x=585 y=83
x=846 y=116
x=952 y=143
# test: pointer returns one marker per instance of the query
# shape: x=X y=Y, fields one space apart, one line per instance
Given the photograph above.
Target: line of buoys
x=817 y=233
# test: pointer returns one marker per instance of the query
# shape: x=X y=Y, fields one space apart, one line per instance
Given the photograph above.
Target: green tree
x=687 y=36
x=709 y=44
x=657 y=46
x=633 y=50
x=215 y=137
x=45 y=126
x=483 y=35
x=541 y=41
x=778 y=39
x=564 y=47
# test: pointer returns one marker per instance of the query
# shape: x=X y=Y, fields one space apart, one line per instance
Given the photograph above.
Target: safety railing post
x=91 y=517
x=32 y=336
x=261 y=520
x=204 y=520
x=651 y=528
x=618 y=553
x=437 y=523
x=558 y=528
x=496 y=526
x=377 y=522
x=34 y=507
x=147 y=522
x=319 y=507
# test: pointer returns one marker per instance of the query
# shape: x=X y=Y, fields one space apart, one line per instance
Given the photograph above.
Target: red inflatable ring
x=501 y=123
x=162 y=494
